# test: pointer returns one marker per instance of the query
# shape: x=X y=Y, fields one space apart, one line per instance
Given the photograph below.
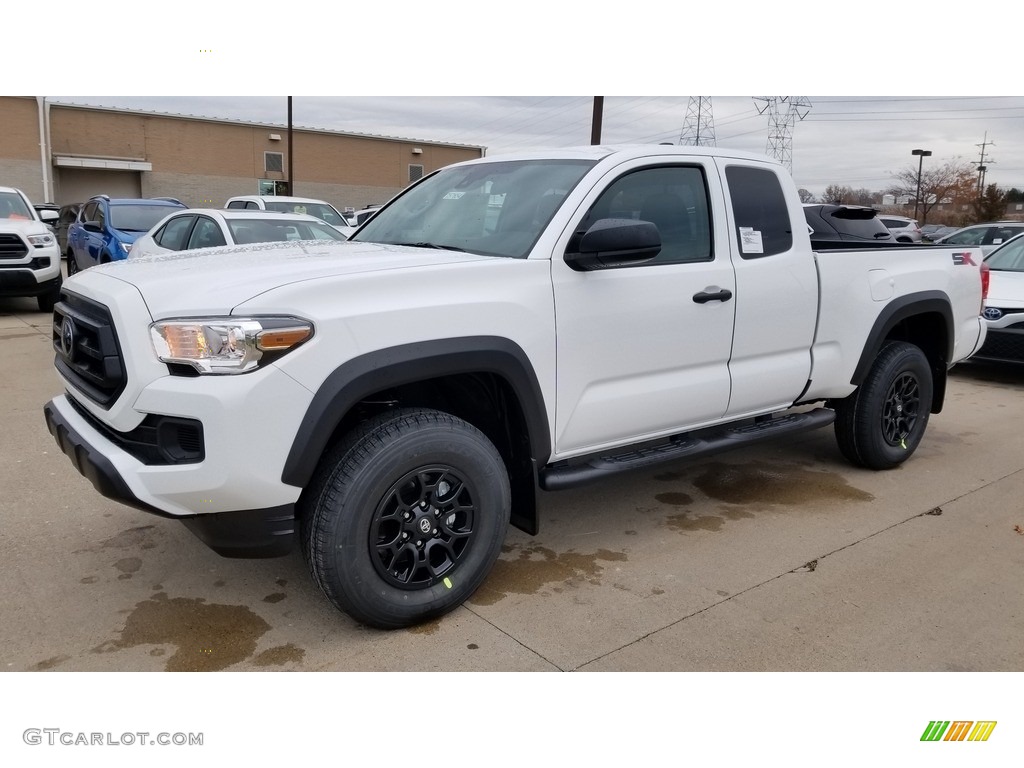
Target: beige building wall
x=21 y=163
x=203 y=161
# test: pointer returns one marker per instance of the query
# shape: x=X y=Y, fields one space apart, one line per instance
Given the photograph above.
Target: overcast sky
x=856 y=141
x=408 y=68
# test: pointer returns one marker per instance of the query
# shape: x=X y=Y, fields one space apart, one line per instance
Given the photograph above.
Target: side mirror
x=614 y=243
x=49 y=216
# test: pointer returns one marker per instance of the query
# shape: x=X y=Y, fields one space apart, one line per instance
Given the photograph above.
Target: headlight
x=227 y=344
x=41 y=241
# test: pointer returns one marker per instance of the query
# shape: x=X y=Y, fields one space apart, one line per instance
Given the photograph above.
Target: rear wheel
x=881 y=424
x=406 y=517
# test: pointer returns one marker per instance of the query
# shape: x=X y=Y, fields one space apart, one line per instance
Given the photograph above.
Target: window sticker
x=750 y=240
x=453 y=195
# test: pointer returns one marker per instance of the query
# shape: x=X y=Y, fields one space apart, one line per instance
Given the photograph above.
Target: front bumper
x=263 y=532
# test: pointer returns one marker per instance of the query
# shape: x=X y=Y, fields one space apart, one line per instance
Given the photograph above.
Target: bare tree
x=951 y=180
x=838 y=194
x=805 y=196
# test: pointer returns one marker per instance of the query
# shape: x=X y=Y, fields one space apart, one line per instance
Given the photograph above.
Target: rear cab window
x=760 y=212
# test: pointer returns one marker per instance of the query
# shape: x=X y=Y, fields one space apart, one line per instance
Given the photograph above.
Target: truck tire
x=881 y=424
x=405 y=518
x=46 y=301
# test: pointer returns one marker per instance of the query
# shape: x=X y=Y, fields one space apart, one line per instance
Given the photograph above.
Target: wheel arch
x=924 y=319
x=488 y=381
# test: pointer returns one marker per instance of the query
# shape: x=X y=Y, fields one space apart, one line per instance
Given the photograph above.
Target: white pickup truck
x=29 y=256
x=506 y=324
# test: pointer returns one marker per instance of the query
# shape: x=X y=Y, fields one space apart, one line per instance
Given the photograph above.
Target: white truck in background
x=392 y=402
x=29 y=256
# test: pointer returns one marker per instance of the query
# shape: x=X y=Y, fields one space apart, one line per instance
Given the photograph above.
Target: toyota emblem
x=991 y=313
x=67 y=338
x=424 y=525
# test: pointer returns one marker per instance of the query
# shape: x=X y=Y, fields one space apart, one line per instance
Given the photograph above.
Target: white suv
x=306 y=205
x=903 y=229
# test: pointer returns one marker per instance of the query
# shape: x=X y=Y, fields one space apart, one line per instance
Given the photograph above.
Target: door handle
x=704 y=297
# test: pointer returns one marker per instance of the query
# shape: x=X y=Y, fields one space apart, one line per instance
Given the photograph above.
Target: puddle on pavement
x=139 y=537
x=45 y=664
x=128 y=565
x=275 y=597
x=279 y=656
x=535 y=567
x=753 y=483
x=767 y=483
x=209 y=637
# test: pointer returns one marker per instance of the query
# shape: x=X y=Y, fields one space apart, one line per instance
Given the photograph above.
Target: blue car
x=107 y=227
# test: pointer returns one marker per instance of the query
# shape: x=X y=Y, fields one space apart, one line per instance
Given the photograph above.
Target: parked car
x=29 y=259
x=106 y=228
x=938 y=233
x=988 y=236
x=1004 y=306
x=321 y=209
x=66 y=216
x=361 y=216
x=845 y=226
x=904 y=229
x=211 y=227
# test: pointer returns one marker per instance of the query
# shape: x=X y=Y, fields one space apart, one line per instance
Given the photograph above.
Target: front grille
x=1003 y=345
x=158 y=440
x=86 y=348
x=12 y=247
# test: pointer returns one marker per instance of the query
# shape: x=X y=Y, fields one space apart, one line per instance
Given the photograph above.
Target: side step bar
x=558 y=477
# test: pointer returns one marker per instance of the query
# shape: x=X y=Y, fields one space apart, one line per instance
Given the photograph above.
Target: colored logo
x=958 y=730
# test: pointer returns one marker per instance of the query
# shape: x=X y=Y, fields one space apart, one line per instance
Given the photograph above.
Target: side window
x=250 y=205
x=968 y=237
x=101 y=216
x=174 y=233
x=236 y=204
x=206 y=234
x=88 y=213
x=673 y=198
x=759 y=208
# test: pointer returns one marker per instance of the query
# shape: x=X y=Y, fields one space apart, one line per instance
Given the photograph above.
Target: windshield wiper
x=433 y=245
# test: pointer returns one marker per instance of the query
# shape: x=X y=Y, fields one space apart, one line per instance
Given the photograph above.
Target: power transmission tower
x=699 y=125
x=982 y=166
x=783 y=113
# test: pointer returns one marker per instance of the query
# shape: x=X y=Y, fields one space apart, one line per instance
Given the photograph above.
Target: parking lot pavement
x=776 y=557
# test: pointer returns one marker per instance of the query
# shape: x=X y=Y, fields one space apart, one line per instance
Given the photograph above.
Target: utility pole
x=595 y=126
x=291 y=163
x=982 y=166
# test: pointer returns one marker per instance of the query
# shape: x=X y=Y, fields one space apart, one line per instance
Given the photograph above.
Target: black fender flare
x=361 y=376
x=894 y=313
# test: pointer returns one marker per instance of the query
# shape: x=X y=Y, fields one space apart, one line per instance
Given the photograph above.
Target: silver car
x=1004 y=306
x=988 y=236
x=903 y=229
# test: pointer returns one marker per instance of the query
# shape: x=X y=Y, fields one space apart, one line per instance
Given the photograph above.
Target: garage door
x=75 y=185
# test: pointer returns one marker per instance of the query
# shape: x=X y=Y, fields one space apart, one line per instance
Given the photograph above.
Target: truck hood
x=23 y=227
x=215 y=280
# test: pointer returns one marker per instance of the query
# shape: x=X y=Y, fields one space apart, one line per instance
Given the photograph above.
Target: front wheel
x=881 y=424
x=406 y=517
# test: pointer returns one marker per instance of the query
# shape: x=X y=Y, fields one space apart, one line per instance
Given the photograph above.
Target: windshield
x=494 y=209
x=1009 y=258
x=263 y=230
x=322 y=211
x=138 y=218
x=13 y=207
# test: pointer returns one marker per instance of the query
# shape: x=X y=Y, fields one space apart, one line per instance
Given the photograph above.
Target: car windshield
x=13 y=207
x=493 y=209
x=270 y=230
x=322 y=211
x=1009 y=258
x=138 y=218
